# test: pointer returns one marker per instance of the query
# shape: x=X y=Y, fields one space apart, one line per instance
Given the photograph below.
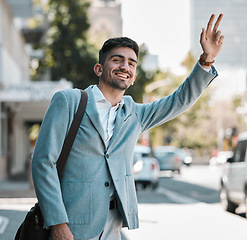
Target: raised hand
x=211 y=40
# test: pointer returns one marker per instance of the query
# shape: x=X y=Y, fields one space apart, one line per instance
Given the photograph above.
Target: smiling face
x=119 y=69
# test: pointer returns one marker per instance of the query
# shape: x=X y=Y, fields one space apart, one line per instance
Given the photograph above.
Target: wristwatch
x=204 y=63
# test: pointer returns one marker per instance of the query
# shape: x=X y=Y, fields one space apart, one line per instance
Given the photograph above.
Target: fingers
x=221 y=39
x=203 y=35
x=211 y=20
x=217 y=37
x=210 y=23
x=218 y=22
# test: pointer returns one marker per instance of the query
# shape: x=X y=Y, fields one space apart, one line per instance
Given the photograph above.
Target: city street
x=169 y=73
x=184 y=206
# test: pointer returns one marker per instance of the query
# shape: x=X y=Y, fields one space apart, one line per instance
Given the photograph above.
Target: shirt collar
x=99 y=97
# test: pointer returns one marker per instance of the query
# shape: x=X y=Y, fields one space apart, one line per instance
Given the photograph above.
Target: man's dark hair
x=117 y=42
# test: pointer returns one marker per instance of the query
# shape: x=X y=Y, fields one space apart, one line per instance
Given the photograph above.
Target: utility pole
x=145 y=137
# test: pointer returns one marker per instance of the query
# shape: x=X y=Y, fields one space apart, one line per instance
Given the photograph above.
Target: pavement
x=157 y=221
x=18 y=196
x=16 y=190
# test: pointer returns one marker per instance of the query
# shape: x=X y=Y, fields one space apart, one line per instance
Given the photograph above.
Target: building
x=232 y=60
x=14 y=69
x=231 y=63
x=22 y=102
x=233 y=26
x=105 y=19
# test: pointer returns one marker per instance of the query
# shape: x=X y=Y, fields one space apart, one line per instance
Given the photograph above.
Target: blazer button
x=107 y=155
x=107 y=184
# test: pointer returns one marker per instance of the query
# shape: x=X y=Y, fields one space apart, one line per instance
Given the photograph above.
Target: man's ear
x=98 y=69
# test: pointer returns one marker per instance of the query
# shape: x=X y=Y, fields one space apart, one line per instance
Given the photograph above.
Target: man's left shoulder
x=128 y=100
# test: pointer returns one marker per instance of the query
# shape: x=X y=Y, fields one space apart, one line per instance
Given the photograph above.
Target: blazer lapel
x=93 y=114
x=120 y=119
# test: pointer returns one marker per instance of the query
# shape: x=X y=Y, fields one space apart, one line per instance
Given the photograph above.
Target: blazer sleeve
x=158 y=112
x=47 y=149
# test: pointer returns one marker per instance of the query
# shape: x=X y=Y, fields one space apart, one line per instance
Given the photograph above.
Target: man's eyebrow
x=133 y=60
x=121 y=56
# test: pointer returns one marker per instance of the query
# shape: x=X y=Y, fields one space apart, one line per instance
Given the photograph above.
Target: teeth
x=121 y=75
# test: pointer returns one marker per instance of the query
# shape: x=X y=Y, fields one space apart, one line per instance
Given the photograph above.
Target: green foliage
x=68 y=54
x=189 y=62
x=237 y=101
x=186 y=130
x=33 y=132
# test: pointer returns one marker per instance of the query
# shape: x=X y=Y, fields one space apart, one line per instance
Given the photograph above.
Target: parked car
x=233 y=191
x=220 y=157
x=146 y=168
x=169 y=158
x=186 y=156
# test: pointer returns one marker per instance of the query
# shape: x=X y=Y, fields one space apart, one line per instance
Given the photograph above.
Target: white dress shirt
x=107 y=113
x=206 y=69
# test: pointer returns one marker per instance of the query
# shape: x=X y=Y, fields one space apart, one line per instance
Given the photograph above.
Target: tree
x=185 y=130
x=68 y=54
x=189 y=62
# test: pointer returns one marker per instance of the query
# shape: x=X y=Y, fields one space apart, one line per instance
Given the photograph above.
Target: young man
x=96 y=197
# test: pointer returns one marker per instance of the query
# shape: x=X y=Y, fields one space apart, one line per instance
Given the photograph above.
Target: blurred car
x=233 y=191
x=220 y=157
x=146 y=168
x=169 y=158
x=186 y=156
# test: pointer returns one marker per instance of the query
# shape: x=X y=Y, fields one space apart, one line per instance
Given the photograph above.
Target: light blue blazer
x=82 y=198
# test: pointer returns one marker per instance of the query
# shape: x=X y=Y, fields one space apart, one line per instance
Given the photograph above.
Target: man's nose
x=125 y=66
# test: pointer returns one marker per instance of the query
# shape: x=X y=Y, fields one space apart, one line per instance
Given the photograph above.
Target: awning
x=32 y=91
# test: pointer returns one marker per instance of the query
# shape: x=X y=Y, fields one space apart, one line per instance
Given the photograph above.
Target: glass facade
x=233 y=27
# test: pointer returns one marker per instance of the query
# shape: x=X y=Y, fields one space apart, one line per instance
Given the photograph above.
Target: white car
x=233 y=191
x=146 y=168
x=221 y=157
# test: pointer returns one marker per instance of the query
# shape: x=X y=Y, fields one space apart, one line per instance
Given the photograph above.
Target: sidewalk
x=16 y=190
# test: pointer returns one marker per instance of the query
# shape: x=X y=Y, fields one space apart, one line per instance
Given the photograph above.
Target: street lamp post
x=145 y=137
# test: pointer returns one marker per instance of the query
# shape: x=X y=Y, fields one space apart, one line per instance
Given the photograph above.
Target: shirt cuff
x=209 y=70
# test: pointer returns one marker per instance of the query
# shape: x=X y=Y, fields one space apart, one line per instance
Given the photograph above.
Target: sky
x=163 y=25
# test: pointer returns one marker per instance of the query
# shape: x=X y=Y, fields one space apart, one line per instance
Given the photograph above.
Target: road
x=184 y=207
x=187 y=207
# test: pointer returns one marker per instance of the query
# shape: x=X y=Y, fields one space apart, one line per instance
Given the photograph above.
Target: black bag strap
x=69 y=140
